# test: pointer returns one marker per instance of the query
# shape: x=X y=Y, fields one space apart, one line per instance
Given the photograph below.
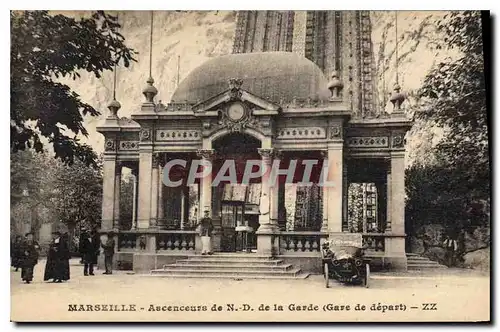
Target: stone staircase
x=232 y=266
x=416 y=262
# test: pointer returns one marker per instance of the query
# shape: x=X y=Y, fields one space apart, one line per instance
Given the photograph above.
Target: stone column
x=134 y=199
x=154 y=190
x=161 y=203
x=324 y=223
x=144 y=201
x=267 y=230
x=395 y=245
x=108 y=192
x=388 y=198
x=206 y=183
x=335 y=190
x=398 y=192
x=345 y=200
x=274 y=194
x=265 y=195
x=118 y=181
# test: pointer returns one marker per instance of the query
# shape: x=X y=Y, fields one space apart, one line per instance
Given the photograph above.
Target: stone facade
x=281 y=104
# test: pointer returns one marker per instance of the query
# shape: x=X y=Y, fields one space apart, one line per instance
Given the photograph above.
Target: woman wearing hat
x=57 y=267
x=30 y=258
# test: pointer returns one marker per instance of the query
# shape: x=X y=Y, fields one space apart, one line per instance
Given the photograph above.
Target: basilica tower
x=334 y=40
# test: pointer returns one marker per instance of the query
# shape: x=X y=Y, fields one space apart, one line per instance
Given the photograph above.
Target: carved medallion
x=335 y=132
x=236 y=111
x=398 y=141
x=109 y=145
x=145 y=135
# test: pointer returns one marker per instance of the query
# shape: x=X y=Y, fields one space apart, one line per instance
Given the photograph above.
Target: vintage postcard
x=250 y=166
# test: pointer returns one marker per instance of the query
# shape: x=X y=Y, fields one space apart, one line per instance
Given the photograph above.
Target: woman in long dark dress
x=30 y=258
x=16 y=252
x=57 y=267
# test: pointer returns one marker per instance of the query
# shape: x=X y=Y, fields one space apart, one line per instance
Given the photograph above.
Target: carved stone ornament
x=205 y=153
x=156 y=160
x=109 y=145
x=265 y=153
x=398 y=141
x=207 y=124
x=145 y=135
x=335 y=132
x=235 y=88
x=236 y=117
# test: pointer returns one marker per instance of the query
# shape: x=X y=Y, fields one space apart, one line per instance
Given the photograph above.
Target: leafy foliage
x=45 y=48
x=456 y=190
x=61 y=193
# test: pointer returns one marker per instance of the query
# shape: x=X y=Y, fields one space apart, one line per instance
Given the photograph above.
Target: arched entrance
x=235 y=205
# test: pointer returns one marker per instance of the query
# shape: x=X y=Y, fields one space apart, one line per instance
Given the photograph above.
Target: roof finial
x=397 y=98
x=114 y=106
x=150 y=91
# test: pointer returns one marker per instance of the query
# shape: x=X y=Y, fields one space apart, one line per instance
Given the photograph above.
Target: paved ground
x=457 y=295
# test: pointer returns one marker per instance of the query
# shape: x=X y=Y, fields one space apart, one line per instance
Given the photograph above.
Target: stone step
x=235 y=261
x=426 y=267
x=283 y=267
x=417 y=258
x=430 y=266
x=167 y=271
x=233 y=256
x=299 y=276
x=422 y=262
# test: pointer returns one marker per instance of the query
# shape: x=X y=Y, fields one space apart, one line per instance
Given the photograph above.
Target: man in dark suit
x=109 y=251
x=90 y=246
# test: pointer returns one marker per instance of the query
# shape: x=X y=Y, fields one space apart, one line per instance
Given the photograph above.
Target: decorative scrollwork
x=368 y=141
x=301 y=132
x=129 y=145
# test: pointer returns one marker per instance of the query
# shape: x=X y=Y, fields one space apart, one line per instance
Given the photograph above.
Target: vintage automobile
x=345 y=262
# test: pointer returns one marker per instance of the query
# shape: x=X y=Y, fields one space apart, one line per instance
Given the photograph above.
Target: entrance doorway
x=236 y=205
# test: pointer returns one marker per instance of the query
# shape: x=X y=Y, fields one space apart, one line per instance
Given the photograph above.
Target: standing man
x=205 y=229
x=109 y=251
x=30 y=258
x=450 y=247
x=90 y=246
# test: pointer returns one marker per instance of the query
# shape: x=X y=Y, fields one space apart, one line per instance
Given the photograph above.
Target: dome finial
x=114 y=105
x=335 y=86
x=150 y=91
x=397 y=98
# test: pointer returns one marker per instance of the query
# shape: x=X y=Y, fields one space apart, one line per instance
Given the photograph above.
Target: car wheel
x=327 y=275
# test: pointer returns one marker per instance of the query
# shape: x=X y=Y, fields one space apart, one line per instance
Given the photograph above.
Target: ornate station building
x=299 y=85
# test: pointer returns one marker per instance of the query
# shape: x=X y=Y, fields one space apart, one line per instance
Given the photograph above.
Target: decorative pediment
x=234 y=93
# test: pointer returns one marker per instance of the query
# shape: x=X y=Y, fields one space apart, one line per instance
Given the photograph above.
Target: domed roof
x=275 y=76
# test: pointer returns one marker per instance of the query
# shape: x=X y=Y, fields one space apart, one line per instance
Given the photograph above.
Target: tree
x=454 y=190
x=43 y=49
x=456 y=92
x=77 y=194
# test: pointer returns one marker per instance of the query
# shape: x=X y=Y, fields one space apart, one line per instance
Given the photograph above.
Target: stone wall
x=473 y=246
